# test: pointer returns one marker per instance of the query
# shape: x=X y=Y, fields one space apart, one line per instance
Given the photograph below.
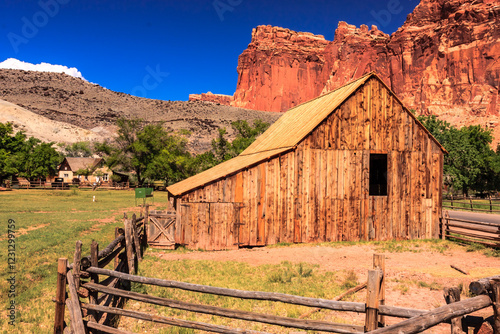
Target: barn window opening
x=378 y=174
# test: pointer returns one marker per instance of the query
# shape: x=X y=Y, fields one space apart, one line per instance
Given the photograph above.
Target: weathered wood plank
x=100 y=327
x=452 y=295
x=261 y=204
x=73 y=304
x=299 y=192
x=62 y=267
x=230 y=313
x=482 y=286
x=162 y=320
x=291 y=196
x=372 y=299
x=441 y=314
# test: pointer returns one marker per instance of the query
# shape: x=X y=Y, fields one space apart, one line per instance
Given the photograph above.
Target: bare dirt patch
x=23 y=231
x=415 y=278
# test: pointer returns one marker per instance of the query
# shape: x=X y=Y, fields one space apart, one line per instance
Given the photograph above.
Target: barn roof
x=288 y=131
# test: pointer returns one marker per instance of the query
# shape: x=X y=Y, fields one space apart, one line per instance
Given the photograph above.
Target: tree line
x=471 y=165
x=147 y=151
x=152 y=153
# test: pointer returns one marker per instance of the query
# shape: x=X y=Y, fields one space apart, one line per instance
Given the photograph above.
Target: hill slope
x=62 y=98
x=44 y=128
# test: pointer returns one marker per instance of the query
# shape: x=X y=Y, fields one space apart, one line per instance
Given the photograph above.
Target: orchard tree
x=10 y=144
x=38 y=159
x=470 y=164
x=29 y=158
x=223 y=150
x=148 y=150
x=81 y=149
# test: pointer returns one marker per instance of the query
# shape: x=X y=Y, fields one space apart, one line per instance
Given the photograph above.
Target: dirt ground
x=415 y=278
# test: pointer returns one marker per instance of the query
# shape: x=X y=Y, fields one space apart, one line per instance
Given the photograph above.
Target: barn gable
x=353 y=164
x=298 y=122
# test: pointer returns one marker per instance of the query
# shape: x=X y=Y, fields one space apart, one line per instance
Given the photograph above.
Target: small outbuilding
x=353 y=164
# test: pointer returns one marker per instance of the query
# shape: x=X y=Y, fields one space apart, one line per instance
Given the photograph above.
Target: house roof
x=280 y=137
x=82 y=163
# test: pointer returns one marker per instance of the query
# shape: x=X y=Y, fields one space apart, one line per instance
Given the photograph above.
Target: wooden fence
x=65 y=185
x=484 y=233
x=489 y=204
x=94 y=303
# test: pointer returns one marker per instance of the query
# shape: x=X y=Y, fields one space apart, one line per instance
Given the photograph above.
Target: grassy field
x=47 y=225
x=300 y=279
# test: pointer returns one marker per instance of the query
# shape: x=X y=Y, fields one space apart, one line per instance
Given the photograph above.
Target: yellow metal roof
x=222 y=170
x=299 y=121
x=281 y=136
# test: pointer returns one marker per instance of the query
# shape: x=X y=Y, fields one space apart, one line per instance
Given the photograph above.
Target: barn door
x=210 y=226
x=161 y=232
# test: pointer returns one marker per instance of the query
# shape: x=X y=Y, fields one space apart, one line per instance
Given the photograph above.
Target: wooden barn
x=353 y=164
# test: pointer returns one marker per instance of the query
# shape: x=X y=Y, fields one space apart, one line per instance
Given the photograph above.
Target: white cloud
x=14 y=64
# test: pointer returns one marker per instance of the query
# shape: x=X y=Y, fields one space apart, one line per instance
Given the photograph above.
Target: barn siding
x=319 y=191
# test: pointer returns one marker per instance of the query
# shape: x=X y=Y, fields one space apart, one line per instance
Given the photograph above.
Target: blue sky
x=169 y=49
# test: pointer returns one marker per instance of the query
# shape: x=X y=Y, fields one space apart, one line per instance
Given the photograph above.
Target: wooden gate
x=210 y=226
x=161 y=231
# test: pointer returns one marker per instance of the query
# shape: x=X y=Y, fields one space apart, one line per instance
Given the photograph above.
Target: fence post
x=372 y=299
x=117 y=258
x=470 y=200
x=495 y=294
x=137 y=242
x=444 y=225
x=451 y=201
x=94 y=278
x=452 y=295
x=62 y=268
x=146 y=227
x=128 y=246
x=379 y=264
x=491 y=206
x=77 y=259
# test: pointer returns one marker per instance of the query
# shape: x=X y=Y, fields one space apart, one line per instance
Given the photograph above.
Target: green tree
x=148 y=150
x=223 y=150
x=25 y=157
x=246 y=134
x=10 y=145
x=173 y=164
x=470 y=164
x=80 y=149
x=39 y=159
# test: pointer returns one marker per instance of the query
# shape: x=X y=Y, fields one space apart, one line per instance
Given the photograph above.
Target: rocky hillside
x=444 y=60
x=62 y=98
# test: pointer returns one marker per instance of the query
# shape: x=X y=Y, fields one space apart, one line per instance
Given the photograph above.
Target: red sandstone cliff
x=444 y=60
x=280 y=69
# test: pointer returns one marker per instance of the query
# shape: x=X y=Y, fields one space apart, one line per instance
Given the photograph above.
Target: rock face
x=444 y=60
x=214 y=98
x=280 y=69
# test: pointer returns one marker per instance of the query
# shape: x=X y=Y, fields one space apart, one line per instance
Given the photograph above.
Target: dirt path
x=415 y=277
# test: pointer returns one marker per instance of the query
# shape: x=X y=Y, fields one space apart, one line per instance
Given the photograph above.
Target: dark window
x=378 y=174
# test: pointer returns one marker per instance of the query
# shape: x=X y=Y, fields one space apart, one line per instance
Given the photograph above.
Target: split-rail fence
x=490 y=204
x=469 y=231
x=95 y=303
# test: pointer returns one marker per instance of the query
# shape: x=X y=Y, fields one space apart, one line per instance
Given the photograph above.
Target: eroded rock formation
x=444 y=60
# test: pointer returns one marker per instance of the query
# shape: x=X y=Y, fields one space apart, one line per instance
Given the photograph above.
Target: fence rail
x=484 y=233
x=94 y=302
x=472 y=204
x=65 y=185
